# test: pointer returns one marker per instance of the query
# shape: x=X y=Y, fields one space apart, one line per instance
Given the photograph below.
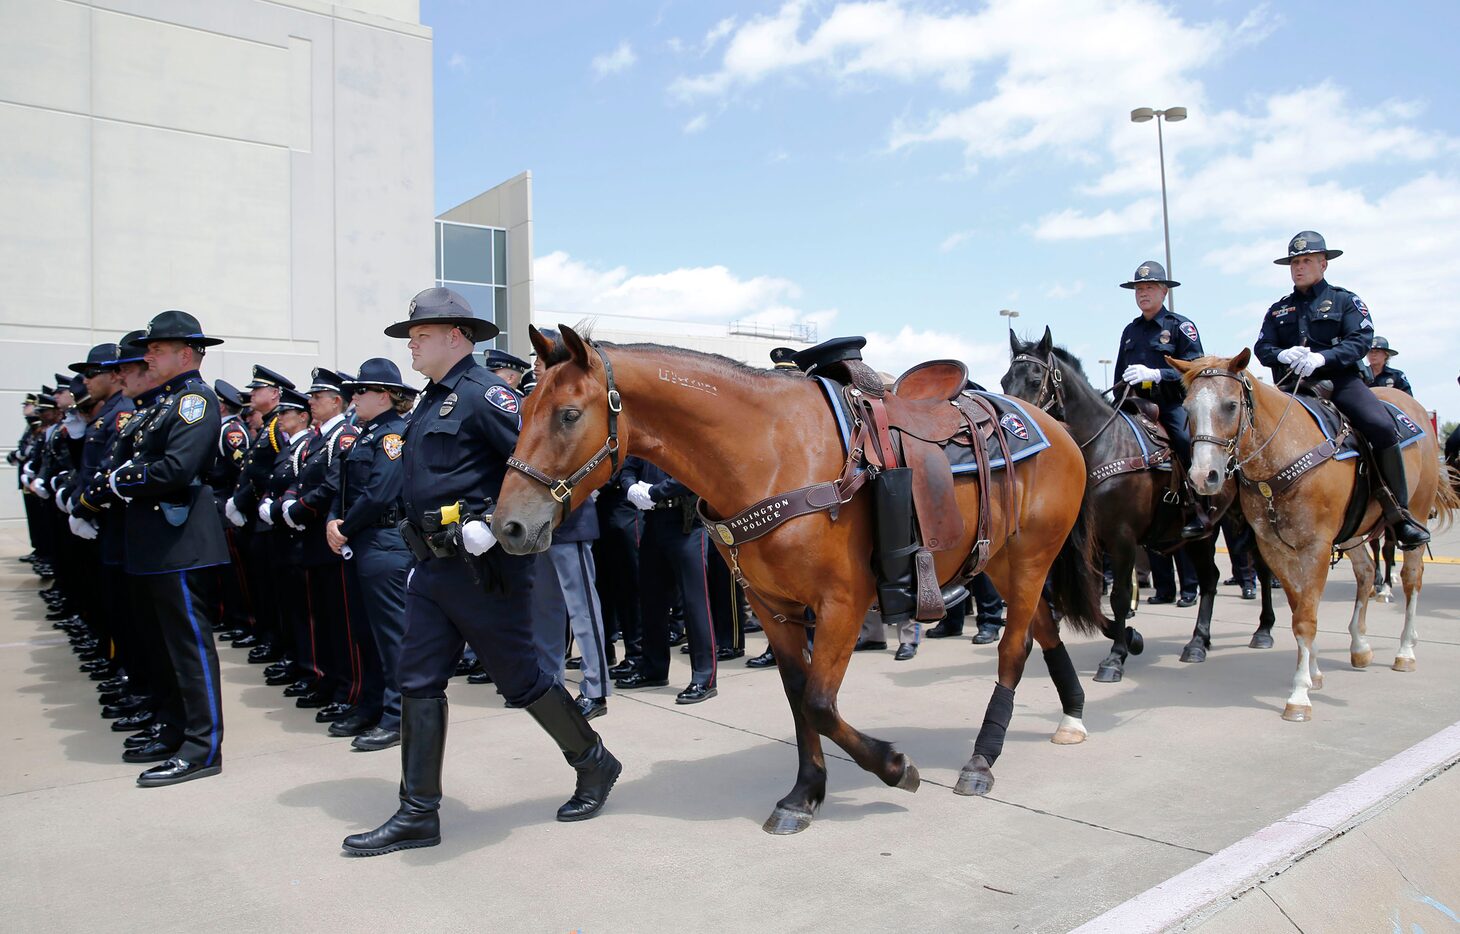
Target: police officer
x=1320 y=331
x=506 y=367
x=1380 y=373
x=291 y=431
x=174 y=537
x=456 y=449
x=362 y=529
x=233 y=443
x=1146 y=342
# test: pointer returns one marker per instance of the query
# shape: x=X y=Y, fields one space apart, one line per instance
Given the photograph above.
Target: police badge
x=1144 y=272
x=448 y=405
x=1299 y=244
x=191 y=407
x=1165 y=337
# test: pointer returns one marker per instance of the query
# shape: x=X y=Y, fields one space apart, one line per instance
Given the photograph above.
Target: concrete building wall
x=264 y=165
x=509 y=206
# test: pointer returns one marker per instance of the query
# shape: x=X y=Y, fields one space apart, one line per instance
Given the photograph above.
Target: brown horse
x=1241 y=424
x=738 y=435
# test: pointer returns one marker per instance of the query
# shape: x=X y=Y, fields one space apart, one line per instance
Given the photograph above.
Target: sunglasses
x=361 y=390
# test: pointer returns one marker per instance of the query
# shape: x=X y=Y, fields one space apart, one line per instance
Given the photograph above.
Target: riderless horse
x=1130 y=493
x=1294 y=492
x=746 y=440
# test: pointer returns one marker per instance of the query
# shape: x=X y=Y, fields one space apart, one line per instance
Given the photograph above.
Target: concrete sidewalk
x=1182 y=761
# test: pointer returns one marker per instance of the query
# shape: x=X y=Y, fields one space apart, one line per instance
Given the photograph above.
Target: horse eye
x=1231 y=406
x=571 y=415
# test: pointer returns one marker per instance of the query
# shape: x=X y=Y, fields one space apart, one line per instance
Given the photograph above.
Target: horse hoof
x=1294 y=713
x=1262 y=639
x=1109 y=674
x=1317 y=682
x=910 y=778
x=976 y=778
x=785 y=821
x=1404 y=664
x=1065 y=736
x=1193 y=654
x=1134 y=641
x=1361 y=659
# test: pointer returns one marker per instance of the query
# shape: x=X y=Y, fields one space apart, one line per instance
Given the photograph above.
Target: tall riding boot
x=1393 y=496
x=559 y=716
x=1196 y=508
x=422 y=747
x=896 y=545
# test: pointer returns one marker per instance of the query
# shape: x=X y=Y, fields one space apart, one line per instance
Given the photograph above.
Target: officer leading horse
x=689 y=412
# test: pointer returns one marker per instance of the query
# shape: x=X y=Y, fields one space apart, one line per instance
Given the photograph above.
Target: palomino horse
x=1238 y=426
x=738 y=436
x=1126 y=494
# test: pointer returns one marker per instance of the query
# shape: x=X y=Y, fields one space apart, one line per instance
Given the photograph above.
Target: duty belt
x=427 y=545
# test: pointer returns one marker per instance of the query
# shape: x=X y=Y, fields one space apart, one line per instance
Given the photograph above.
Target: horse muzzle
x=523 y=531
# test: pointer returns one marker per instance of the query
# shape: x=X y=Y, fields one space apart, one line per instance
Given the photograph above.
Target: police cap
x=1382 y=343
x=323 y=380
x=379 y=372
x=1305 y=242
x=1150 y=271
x=443 y=306
x=228 y=393
x=129 y=350
x=828 y=352
x=290 y=398
x=263 y=377
x=495 y=359
x=98 y=357
x=782 y=358
x=174 y=325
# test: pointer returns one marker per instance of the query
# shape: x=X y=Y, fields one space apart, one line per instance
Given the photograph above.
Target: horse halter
x=1230 y=444
x=562 y=490
x=1051 y=383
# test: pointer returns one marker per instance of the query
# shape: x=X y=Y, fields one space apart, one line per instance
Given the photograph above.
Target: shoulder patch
x=122 y=419
x=1189 y=330
x=503 y=398
x=191 y=407
x=1014 y=425
x=347 y=440
x=234 y=437
x=1359 y=304
x=391 y=445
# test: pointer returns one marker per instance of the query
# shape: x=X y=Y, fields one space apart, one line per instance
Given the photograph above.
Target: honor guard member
x=456 y=450
x=1158 y=333
x=1320 y=331
x=362 y=529
x=174 y=537
x=233 y=444
x=1380 y=373
x=507 y=368
x=292 y=431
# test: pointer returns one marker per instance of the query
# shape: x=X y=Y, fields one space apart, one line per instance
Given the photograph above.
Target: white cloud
x=1070 y=224
x=954 y=240
x=611 y=63
x=696 y=123
x=894 y=353
x=458 y=63
x=1060 y=291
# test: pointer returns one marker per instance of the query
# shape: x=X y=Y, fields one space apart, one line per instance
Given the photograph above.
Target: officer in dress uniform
x=464 y=589
x=1321 y=331
x=291 y=432
x=1158 y=333
x=362 y=529
x=233 y=444
x=506 y=367
x=174 y=538
x=1378 y=372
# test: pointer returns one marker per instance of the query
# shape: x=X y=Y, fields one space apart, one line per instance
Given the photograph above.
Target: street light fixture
x=1105 y=369
x=1170 y=115
x=1011 y=315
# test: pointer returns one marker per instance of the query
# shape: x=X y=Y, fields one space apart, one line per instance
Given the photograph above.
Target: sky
x=904 y=170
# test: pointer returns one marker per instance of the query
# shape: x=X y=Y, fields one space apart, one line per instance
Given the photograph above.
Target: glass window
x=499 y=257
x=466 y=253
x=501 y=318
x=437 y=239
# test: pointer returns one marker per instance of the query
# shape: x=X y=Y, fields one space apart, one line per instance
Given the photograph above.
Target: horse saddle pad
x=1022 y=433
x=1331 y=421
x=1151 y=436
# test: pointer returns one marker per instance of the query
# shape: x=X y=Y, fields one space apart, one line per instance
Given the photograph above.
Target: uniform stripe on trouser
x=213 y=714
x=352 y=648
x=309 y=610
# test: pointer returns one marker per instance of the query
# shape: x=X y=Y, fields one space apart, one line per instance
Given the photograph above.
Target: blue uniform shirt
x=374 y=470
x=1394 y=379
x=1149 y=343
x=1330 y=320
x=458 y=441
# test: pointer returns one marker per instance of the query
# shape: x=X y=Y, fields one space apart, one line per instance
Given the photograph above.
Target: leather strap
x=1128 y=465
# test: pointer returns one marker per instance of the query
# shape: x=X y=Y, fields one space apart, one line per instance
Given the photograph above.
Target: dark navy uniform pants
x=1173 y=418
x=185 y=605
x=446 y=607
x=1365 y=411
x=670 y=559
x=380 y=565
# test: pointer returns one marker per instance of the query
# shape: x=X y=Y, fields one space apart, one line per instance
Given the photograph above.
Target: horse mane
x=720 y=362
x=1069 y=359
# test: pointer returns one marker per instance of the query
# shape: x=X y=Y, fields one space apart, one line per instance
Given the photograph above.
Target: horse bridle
x=562 y=490
x=1247 y=422
x=1055 y=377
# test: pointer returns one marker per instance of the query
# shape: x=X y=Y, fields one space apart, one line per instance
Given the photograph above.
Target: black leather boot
x=560 y=718
x=423 y=746
x=1393 y=496
x=896 y=545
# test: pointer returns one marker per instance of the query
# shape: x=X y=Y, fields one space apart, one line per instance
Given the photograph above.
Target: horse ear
x=1239 y=363
x=1014 y=343
x=1182 y=366
x=1046 y=342
x=542 y=345
x=575 y=345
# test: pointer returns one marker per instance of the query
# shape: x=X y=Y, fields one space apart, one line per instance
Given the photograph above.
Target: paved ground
x=1182 y=761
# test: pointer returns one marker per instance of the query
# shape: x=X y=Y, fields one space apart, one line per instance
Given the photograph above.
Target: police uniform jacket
x=283 y=478
x=101 y=434
x=1330 y=320
x=580 y=526
x=1149 y=343
x=666 y=492
x=257 y=467
x=96 y=501
x=1392 y=378
x=372 y=476
x=321 y=462
x=233 y=446
x=172 y=522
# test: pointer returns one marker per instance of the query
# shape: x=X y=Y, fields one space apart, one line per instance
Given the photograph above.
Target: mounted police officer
x=174 y=538
x=464 y=589
x=1378 y=372
x=1320 y=331
x=1158 y=333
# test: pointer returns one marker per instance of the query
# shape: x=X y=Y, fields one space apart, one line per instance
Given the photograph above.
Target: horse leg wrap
x=1066 y=681
x=996 y=719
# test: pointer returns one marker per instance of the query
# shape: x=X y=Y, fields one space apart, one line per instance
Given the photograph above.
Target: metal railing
x=794 y=332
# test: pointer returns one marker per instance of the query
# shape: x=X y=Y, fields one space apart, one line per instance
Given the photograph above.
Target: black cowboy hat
x=129 y=350
x=323 y=380
x=1305 y=242
x=829 y=351
x=176 y=325
x=1150 y=271
x=495 y=359
x=783 y=358
x=264 y=377
x=228 y=393
x=443 y=306
x=379 y=371
x=1382 y=343
x=101 y=355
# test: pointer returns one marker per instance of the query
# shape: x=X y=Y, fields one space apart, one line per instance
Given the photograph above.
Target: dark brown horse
x=738 y=435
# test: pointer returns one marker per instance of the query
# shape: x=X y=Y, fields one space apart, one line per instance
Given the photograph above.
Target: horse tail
x=1447 y=497
x=1074 y=580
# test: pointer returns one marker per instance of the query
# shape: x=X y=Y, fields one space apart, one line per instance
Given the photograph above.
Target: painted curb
x=1191 y=897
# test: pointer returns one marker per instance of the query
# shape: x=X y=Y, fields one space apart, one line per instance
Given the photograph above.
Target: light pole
x=1011 y=315
x=1171 y=115
x=1105 y=369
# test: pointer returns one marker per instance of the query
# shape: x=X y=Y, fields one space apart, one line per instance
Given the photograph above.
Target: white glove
x=111 y=481
x=82 y=528
x=75 y=425
x=477 y=537
x=264 y=515
x=27 y=475
x=288 y=520
x=1137 y=373
x=38 y=487
x=1304 y=366
x=234 y=516
x=638 y=494
x=63 y=503
x=1291 y=355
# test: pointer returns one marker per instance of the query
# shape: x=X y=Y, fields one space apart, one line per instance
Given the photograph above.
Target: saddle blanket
x=1329 y=420
x=1022 y=433
x=1144 y=441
